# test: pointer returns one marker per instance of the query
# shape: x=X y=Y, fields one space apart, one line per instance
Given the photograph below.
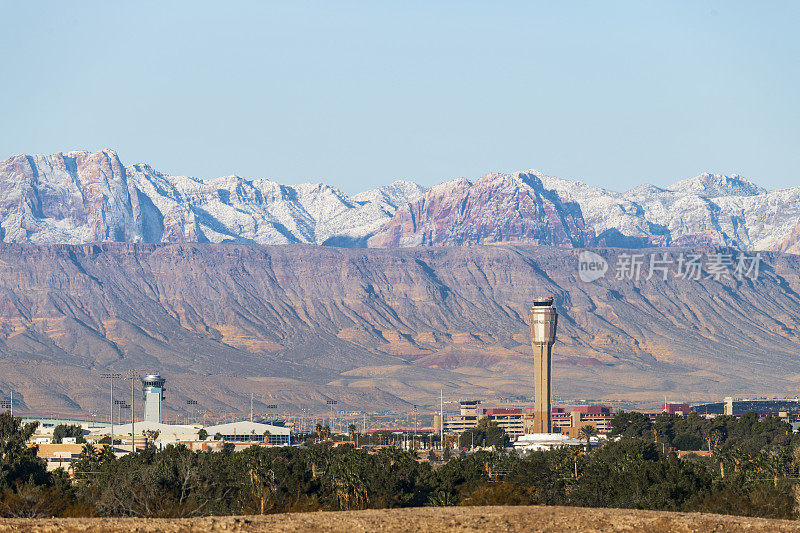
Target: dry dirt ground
x=522 y=519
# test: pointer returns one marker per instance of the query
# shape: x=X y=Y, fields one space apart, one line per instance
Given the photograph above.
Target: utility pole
x=251 y=407
x=111 y=376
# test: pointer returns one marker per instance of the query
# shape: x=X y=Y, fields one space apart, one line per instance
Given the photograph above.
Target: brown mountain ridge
x=376 y=328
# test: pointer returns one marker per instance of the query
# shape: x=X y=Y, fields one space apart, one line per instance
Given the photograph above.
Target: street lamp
x=111 y=376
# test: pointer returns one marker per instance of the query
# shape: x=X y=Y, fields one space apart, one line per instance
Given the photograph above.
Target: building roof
x=246 y=427
x=502 y=411
x=141 y=427
x=58 y=450
x=549 y=439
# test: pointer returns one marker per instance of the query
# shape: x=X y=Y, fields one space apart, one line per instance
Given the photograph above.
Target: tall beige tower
x=543 y=319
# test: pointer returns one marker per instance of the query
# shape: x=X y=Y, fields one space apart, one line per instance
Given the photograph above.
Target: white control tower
x=152 y=394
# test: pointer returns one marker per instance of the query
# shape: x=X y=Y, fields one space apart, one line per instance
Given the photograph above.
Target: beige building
x=466 y=419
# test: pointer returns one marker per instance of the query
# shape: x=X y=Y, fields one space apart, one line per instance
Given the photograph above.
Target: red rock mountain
x=497 y=208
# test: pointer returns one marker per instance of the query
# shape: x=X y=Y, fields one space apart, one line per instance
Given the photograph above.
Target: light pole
x=441 y=418
x=132 y=375
x=112 y=377
x=415 y=428
x=331 y=403
x=8 y=404
x=190 y=403
x=119 y=404
x=272 y=406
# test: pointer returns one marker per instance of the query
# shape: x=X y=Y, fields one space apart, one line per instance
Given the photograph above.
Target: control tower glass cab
x=543 y=320
x=152 y=394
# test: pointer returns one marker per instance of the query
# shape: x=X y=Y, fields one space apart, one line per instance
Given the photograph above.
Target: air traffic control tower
x=543 y=319
x=152 y=394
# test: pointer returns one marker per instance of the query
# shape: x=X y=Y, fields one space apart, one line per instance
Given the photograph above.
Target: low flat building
x=547 y=441
x=166 y=432
x=48 y=424
x=681 y=409
x=58 y=455
x=63 y=455
x=251 y=432
x=518 y=421
x=762 y=406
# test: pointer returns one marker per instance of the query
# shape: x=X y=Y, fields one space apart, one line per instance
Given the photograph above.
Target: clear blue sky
x=357 y=94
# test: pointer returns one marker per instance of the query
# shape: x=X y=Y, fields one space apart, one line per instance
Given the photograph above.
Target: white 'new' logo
x=591 y=266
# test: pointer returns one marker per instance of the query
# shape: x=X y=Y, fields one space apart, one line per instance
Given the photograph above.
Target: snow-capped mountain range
x=84 y=197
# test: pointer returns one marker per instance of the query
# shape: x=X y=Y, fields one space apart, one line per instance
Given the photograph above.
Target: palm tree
x=352 y=430
x=319 y=432
x=587 y=432
x=574 y=453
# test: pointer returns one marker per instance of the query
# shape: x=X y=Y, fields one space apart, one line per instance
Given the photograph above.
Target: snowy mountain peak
x=81 y=197
x=716 y=185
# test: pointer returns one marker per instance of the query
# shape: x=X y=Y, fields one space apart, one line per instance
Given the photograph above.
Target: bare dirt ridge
x=384 y=328
x=524 y=518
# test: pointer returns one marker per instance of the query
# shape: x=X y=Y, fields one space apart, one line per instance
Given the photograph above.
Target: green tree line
x=751 y=470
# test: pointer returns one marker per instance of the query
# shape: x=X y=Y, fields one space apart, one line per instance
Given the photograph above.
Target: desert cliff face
x=378 y=327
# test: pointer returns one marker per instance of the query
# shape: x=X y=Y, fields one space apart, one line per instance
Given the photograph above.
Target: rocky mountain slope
x=496 y=208
x=83 y=197
x=375 y=328
x=792 y=243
